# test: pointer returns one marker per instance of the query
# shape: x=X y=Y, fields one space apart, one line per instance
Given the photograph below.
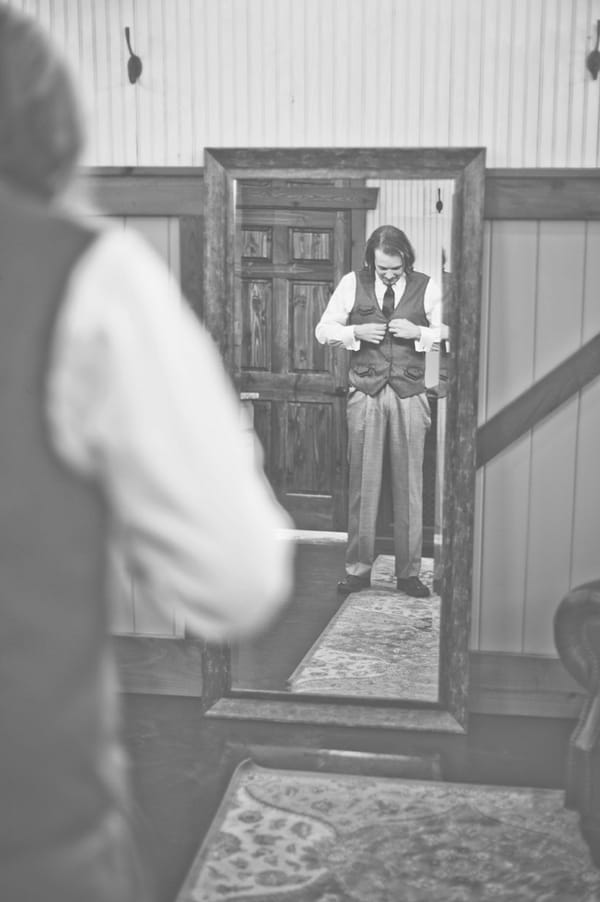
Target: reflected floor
x=381 y=643
x=375 y=643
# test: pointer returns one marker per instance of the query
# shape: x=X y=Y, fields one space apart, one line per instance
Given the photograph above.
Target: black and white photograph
x=300 y=431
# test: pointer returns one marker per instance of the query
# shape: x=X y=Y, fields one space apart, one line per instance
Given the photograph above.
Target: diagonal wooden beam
x=537 y=402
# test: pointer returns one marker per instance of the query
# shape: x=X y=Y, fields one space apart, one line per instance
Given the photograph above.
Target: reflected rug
x=381 y=642
x=297 y=836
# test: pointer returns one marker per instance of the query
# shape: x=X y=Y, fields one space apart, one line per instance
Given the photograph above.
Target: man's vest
x=394 y=361
x=61 y=766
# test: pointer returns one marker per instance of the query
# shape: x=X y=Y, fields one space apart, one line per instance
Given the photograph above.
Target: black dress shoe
x=352 y=583
x=412 y=585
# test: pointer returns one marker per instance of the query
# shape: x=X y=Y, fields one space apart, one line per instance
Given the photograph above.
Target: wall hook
x=134 y=63
x=593 y=58
x=439 y=205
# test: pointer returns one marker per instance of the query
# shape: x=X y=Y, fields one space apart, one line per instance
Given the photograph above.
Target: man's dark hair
x=41 y=131
x=392 y=241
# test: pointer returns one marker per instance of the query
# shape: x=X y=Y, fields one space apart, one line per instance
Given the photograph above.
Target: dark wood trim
x=542 y=194
x=500 y=683
x=528 y=685
x=349 y=162
x=160 y=665
x=157 y=665
x=219 y=260
x=459 y=456
x=313 y=197
x=104 y=171
x=467 y=167
x=545 y=172
x=158 y=194
x=526 y=411
x=191 y=261
x=335 y=713
x=560 y=193
x=358 y=227
x=373 y=764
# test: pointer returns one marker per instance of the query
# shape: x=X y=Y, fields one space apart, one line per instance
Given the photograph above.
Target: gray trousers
x=404 y=422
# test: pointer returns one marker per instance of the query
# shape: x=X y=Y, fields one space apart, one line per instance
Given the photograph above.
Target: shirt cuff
x=350 y=342
x=428 y=338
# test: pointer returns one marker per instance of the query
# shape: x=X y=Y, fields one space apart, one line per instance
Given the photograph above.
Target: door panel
x=257 y=318
x=309 y=440
x=308 y=301
x=290 y=261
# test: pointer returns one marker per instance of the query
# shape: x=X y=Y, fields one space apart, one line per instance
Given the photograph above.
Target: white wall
x=505 y=74
x=538 y=501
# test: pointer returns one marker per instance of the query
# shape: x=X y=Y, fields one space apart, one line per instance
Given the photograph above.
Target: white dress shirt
x=333 y=327
x=139 y=401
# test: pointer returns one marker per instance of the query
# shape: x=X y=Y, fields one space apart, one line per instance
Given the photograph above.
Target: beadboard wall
x=505 y=74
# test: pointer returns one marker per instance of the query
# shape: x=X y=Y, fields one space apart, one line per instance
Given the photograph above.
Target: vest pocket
x=414 y=373
x=363 y=370
x=366 y=311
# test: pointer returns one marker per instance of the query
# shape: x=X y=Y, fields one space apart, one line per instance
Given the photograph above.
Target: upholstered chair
x=577 y=639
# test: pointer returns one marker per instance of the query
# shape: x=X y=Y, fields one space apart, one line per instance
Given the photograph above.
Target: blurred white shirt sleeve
x=138 y=399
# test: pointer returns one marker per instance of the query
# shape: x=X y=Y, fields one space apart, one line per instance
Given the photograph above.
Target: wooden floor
x=179 y=773
x=267 y=662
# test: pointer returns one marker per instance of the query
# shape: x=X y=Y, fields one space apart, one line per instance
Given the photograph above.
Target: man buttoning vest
x=387 y=315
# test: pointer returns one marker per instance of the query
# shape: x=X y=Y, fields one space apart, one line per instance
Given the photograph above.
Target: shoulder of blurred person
x=139 y=397
x=150 y=368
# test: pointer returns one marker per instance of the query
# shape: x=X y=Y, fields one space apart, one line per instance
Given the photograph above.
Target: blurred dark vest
x=61 y=767
x=395 y=360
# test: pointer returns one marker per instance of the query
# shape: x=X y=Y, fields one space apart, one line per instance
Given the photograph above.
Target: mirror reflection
x=346 y=388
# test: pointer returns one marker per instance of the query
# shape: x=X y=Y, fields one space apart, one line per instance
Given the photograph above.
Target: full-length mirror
x=284 y=229
x=379 y=642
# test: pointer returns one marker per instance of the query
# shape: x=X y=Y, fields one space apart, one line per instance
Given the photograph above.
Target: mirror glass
x=295 y=239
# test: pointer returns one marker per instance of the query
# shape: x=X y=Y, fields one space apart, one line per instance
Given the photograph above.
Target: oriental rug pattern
x=380 y=643
x=298 y=836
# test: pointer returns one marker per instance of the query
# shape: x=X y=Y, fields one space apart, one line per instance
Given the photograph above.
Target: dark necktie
x=389 y=302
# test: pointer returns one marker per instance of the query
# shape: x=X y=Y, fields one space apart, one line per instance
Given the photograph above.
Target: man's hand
x=404 y=328
x=373 y=332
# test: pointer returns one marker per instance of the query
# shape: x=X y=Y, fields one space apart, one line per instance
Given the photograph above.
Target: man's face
x=388 y=267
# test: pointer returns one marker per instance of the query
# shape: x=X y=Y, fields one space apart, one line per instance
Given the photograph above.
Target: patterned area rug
x=381 y=643
x=296 y=836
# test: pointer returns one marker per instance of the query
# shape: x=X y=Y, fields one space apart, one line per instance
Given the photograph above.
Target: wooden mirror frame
x=467 y=167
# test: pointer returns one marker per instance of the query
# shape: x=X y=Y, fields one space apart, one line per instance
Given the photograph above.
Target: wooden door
x=290 y=262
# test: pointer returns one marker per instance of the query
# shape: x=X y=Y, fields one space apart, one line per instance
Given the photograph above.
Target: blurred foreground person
x=120 y=426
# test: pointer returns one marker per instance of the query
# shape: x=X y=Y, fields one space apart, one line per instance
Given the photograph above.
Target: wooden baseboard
x=529 y=685
x=157 y=665
x=509 y=684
